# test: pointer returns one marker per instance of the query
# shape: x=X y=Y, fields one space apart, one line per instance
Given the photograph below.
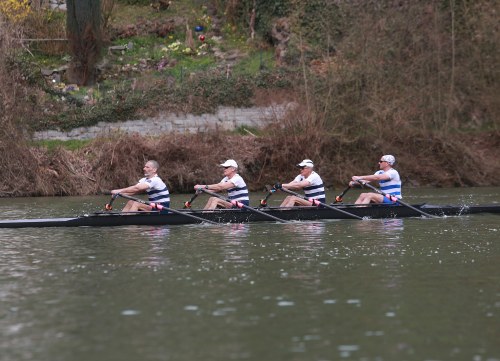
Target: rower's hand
x=359 y=181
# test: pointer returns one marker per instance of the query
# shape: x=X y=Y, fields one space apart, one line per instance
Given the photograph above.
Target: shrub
x=15 y=10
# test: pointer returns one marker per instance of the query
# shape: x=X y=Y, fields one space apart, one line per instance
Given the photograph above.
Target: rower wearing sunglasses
x=387 y=177
x=232 y=182
x=309 y=181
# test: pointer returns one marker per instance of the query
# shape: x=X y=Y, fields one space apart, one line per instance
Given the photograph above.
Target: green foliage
x=208 y=91
x=266 y=11
x=190 y=65
x=121 y=106
x=29 y=70
x=279 y=78
x=254 y=63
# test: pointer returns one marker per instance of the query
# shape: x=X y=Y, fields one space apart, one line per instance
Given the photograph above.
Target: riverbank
x=187 y=159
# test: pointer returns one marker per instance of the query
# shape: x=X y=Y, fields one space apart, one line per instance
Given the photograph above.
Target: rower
x=232 y=182
x=151 y=184
x=388 y=178
x=309 y=181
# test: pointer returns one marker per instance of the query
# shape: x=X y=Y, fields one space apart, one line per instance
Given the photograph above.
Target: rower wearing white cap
x=309 y=181
x=388 y=178
x=232 y=182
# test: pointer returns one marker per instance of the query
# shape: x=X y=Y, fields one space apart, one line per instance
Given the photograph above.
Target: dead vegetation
x=190 y=159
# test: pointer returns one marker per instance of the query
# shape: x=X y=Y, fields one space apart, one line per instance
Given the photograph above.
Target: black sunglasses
x=382 y=161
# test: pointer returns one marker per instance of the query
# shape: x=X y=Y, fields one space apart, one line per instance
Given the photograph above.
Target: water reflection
x=232 y=232
x=383 y=238
x=160 y=233
x=392 y=227
x=310 y=230
x=352 y=290
x=231 y=240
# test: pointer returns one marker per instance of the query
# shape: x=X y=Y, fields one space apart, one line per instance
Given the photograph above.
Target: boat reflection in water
x=392 y=227
x=231 y=240
x=162 y=232
x=230 y=231
x=309 y=231
x=383 y=239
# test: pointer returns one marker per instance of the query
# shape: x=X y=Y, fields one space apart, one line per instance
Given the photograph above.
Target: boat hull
x=113 y=219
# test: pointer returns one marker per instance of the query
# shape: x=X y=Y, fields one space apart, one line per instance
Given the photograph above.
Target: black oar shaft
x=316 y=202
x=188 y=203
x=397 y=200
x=109 y=206
x=263 y=202
x=160 y=207
x=241 y=205
x=338 y=198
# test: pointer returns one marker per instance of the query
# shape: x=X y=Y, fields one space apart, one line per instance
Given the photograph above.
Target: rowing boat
x=113 y=219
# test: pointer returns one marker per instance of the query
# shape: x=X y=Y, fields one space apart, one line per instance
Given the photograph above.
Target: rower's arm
x=137 y=188
x=369 y=178
x=296 y=185
x=216 y=187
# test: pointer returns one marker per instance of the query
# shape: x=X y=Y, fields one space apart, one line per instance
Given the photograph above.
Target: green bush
x=214 y=89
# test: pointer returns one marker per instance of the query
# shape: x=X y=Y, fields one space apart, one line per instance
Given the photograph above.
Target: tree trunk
x=85 y=39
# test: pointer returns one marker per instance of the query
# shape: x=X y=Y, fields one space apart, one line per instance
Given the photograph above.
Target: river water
x=412 y=289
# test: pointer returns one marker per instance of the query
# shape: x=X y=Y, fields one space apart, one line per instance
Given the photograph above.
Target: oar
x=160 y=207
x=109 y=206
x=338 y=198
x=263 y=202
x=315 y=201
x=188 y=203
x=395 y=199
x=241 y=205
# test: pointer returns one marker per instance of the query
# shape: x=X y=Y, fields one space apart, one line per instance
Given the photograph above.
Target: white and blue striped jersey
x=316 y=190
x=393 y=185
x=240 y=191
x=157 y=191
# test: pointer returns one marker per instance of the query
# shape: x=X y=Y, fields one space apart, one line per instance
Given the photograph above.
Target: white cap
x=306 y=163
x=230 y=163
x=389 y=159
